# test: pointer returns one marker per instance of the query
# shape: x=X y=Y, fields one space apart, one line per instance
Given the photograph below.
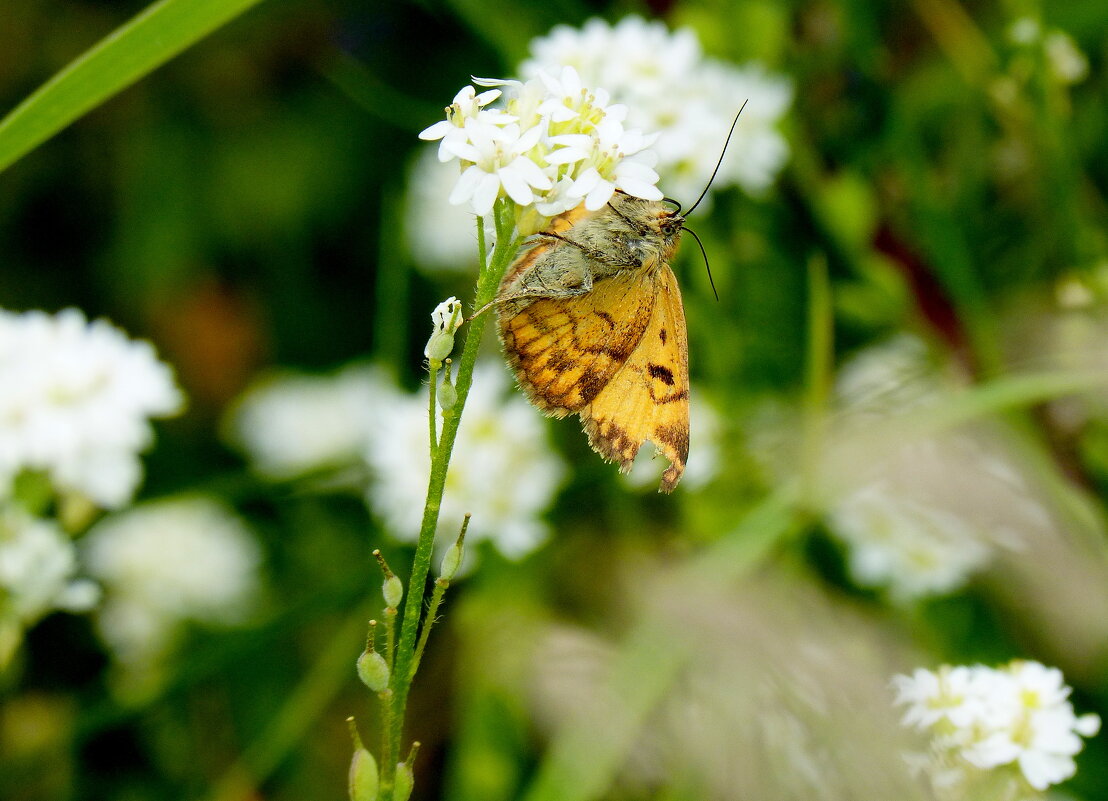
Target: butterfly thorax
x=631 y=234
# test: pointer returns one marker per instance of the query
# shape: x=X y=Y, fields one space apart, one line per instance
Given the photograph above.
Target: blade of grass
x=148 y=40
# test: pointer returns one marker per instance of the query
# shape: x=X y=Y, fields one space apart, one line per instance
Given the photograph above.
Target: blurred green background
x=244 y=207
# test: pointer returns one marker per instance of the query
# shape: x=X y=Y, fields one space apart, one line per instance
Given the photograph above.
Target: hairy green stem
x=487 y=283
x=431 y=408
x=429 y=620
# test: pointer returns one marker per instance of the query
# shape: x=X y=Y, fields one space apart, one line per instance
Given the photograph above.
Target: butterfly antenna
x=720 y=162
x=704 y=253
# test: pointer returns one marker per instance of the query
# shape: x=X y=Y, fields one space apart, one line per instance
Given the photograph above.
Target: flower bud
x=393 y=590
x=404 y=782
x=447 y=396
x=362 y=779
x=439 y=346
x=446 y=319
x=451 y=561
x=373 y=670
x=405 y=779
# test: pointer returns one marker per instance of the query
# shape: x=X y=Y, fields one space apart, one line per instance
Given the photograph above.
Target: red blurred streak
x=931 y=299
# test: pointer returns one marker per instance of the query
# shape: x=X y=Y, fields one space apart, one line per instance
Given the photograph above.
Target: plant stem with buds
x=487 y=283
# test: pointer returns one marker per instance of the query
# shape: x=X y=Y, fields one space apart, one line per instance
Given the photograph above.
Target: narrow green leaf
x=151 y=38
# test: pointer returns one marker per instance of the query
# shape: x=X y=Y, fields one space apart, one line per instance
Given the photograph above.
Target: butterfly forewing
x=566 y=350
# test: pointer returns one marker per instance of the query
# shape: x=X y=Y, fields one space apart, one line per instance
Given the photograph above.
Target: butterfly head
x=666 y=224
x=652 y=228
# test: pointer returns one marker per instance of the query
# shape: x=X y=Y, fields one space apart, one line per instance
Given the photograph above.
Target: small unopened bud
x=373 y=670
x=363 y=770
x=405 y=779
x=452 y=559
x=439 y=346
x=447 y=395
x=393 y=590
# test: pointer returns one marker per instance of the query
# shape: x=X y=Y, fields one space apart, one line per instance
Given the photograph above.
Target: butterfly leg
x=566 y=286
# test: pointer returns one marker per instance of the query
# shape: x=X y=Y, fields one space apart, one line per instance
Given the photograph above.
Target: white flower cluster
x=76 y=401
x=504 y=471
x=167 y=562
x=670 y=86
x=1012 y=729
x=38 y=563
x=553 y=144
x=289 y=424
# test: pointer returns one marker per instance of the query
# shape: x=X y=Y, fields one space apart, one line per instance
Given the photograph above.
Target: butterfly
x=591 y=321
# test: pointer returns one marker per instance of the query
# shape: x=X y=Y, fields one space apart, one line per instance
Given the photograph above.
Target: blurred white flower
x=1064 y=59
x=1025 y=31
x=911 y=548
x=503 y=470
x=704 y=450
x=1068 y=64
x=167 y=562
x=553 y=144
x=919 y=514
x=669 y=86
x=76 y=402
x=440 y=236
x=289 y=424
x=38 y=564
x=1013 y=725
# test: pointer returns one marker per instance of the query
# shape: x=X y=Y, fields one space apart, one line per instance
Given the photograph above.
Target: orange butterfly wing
x=648 y=399
x=565 y=351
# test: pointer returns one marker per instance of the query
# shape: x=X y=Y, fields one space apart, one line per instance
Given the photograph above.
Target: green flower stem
x=487 y=283
x=442 y=583
x=434 y=370
x=390 y=636
x=482 y=249
x=437 y=594
x=387 y=758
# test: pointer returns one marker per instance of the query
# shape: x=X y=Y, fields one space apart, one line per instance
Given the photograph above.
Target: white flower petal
x=586 y=182
x=632 y=186
x=467 y=185
x=599 y=195
x=485 y=194
x=531 y=173
x=566 y=155
x=436 y=131
x=515 y=186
